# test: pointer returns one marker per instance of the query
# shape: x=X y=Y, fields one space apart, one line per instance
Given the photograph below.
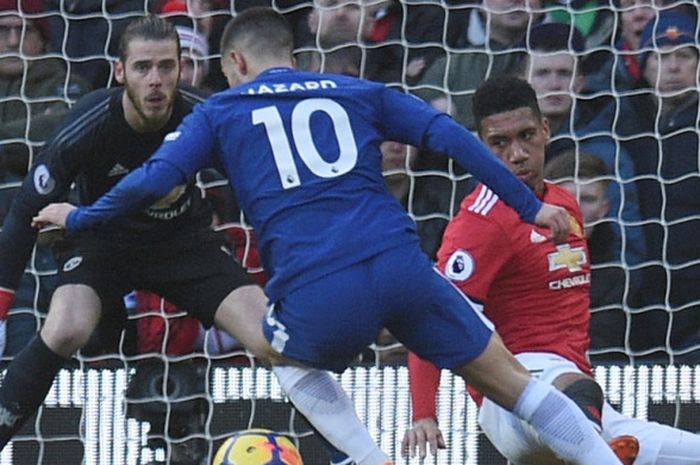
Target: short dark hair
x=550 y=38
x=258 y=29
x=556 y=37
x=501 y=94
x=148 y=28
x=567 y=166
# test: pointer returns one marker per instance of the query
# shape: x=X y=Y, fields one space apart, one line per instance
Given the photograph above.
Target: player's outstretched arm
x=425 y=380
x=556 y=219
x=54 y=213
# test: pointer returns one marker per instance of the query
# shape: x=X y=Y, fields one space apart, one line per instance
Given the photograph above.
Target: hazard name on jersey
x=282 y=87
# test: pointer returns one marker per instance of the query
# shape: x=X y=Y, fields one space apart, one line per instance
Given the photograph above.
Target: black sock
x=27 y=381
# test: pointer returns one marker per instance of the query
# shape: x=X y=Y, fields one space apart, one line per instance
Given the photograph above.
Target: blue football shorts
x=326 y=323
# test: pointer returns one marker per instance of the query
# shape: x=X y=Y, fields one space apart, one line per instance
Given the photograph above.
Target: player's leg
x=659 y=444
x=241 y=314
x=325 y=324
x=203 y=278
x=588 y=396
x=227 y=298
x=515 y=439
x=315 y=393
x=73 y=315
x=85 y=286
x=558 y=421
x=438 y=323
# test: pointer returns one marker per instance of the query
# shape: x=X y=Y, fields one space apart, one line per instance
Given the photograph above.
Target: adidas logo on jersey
x=117 y=170
x=536 y=237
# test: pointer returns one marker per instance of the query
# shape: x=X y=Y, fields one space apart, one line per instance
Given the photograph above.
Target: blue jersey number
x=303 y=140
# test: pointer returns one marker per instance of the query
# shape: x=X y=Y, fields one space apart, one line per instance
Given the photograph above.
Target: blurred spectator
x=194 y=61
x=587 y=178
x=88 y=33
x=593 y=18
x=415 y=26
x=661 y=129
x=490 y=38
x=331 y=25
x=620 y=70
x=495 y=30
x=205 y=23
x=391 y=36
x=553 y=72
x=396 y=165
x=199 y=11
x=34 y=90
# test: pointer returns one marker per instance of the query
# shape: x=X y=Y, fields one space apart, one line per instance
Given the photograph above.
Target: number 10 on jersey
x=303 y=140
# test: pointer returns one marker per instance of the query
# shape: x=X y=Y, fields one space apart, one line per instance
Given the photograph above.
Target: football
x=258 y=447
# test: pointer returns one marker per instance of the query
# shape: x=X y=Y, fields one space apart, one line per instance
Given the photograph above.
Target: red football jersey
x=536 y=292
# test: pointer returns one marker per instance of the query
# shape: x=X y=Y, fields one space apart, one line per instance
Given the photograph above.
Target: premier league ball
x=257 y=447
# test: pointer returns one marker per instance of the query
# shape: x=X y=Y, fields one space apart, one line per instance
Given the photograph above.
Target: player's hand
x=556 y=219
x=55 y=213
x=423 y=433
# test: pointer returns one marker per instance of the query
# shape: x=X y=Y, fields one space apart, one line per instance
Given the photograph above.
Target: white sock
x=317 y=395
x=562 y=425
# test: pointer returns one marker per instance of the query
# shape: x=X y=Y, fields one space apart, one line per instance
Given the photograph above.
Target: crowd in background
x=616 y=79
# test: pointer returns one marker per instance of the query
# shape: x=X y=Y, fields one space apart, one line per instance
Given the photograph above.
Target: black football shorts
x=194 y=273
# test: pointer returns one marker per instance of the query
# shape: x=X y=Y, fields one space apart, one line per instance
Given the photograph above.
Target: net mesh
x=97 y=413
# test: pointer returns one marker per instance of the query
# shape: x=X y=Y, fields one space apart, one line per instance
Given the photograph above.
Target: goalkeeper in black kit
x=167 y=248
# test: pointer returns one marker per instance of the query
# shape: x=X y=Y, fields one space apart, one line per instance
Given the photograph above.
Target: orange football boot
x=626 y=448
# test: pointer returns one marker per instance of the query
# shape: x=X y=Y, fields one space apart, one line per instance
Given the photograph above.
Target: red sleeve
x=6 y=298
x=425 y=379
x=473 y=251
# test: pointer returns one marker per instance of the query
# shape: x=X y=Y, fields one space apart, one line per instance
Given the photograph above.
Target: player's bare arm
x=556 y=219
x=54 y=213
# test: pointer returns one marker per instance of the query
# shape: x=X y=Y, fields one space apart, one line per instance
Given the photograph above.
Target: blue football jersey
x=302 y=153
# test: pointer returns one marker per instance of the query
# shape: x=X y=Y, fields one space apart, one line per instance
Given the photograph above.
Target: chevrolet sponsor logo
x=567 y=257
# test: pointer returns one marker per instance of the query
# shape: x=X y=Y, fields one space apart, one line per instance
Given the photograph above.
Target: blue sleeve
x=412 y=121
x=183 y=152
x=143 y=186
x=192 y=146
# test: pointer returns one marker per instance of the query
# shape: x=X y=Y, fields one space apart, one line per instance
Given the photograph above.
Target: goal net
x=131 y=406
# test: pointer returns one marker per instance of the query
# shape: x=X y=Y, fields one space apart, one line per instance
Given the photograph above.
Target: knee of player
x=589 y=397
x=270 y=356
x=66 y=339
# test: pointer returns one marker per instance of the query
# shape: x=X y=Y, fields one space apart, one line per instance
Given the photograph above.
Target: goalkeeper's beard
x=155 y=122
